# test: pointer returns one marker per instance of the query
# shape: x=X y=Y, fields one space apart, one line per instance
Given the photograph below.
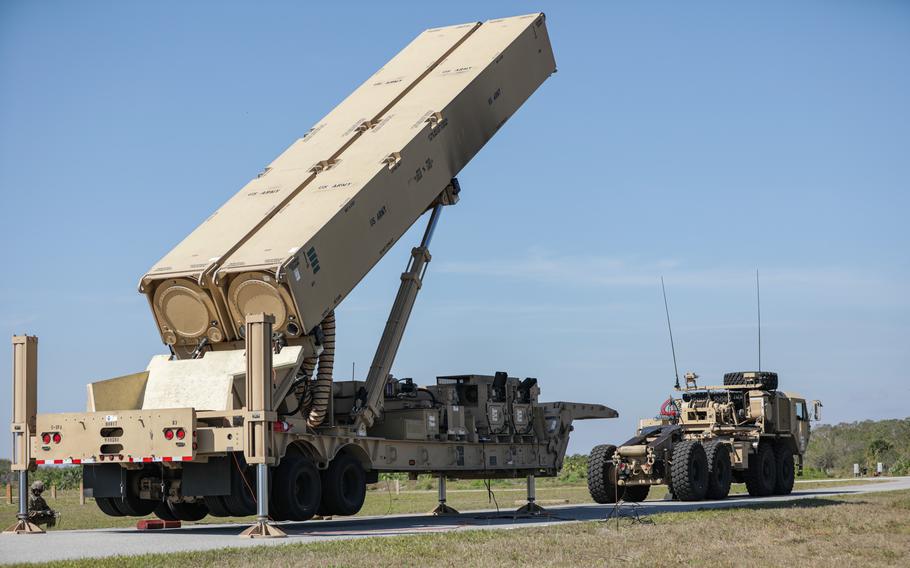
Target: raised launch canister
x=296 y=240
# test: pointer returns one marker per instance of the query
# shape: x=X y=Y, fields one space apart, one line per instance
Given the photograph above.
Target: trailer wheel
x=297 y=488
x=195 y=511
x=786 y=471
x=762 y=473
x=216 y=506
x=163 y=512
x=344 y=487
x=602 y=475
x=636 y=493
x=130 y=504
x=720 y=470
x=108 y=506
x=689 y=471
x=242 y=500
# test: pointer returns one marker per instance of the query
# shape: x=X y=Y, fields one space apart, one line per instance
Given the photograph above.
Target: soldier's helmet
x=38 y=486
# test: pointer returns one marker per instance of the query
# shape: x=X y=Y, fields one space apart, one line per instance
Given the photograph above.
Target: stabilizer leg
x=442 y=509
x=22 y=524
x=531 y=508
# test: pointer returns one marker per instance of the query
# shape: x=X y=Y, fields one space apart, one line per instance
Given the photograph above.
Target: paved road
x=60 y=545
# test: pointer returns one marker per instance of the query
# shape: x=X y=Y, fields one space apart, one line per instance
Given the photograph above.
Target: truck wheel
x=216 y=506
x=344 y=487
x=689 y=471
x=762 y=473
x=602 y=475
x=195 y=511
x=297 y=488
x=786 y=471
x=636 y=493
x=108 y=506
x=242 y=500
x=720 y=471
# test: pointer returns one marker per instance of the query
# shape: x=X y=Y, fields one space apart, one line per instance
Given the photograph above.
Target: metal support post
x=25 y=407
x=262 y=493
x=258 y=442
x=442 y=508
x=531 y=508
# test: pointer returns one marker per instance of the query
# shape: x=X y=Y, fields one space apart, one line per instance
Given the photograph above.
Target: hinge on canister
x=392 y=160
x=323 y=165
x=434 y=119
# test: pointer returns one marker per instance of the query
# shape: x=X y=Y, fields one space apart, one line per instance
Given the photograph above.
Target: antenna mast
x=758 y=301
x=670 y=329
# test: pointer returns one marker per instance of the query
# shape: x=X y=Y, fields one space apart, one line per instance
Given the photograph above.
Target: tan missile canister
x=296 y=240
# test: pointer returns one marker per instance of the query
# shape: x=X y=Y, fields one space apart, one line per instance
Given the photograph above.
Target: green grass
x=861 y=530
x=381 y=500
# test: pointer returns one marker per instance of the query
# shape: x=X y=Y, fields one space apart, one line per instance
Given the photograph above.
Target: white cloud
x=611 y=272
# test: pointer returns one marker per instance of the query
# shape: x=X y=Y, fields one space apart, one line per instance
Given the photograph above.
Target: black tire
x=195 y=511
x=767 y=379
x=344 y=487
x=720 y=470
x=762 y=473
x=163 y=512
x=216 y=506
x=786 y=470
x=636 y=493
x=130 y=504
x=242 y=500
x=602 y=475
x=297 y=489
x=108 y=506
x=689 y=471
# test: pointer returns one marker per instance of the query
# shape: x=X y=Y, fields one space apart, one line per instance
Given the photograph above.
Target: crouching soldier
x=38 y=511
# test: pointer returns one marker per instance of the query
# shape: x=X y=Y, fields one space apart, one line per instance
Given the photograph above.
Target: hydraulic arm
x=369 y=404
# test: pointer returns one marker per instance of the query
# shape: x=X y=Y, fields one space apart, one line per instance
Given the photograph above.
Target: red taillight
x=46 y=438
x=181 y=433
x=169 y=434
x=57 y=437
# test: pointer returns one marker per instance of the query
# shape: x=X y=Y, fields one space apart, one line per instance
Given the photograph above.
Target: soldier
x=38 y=510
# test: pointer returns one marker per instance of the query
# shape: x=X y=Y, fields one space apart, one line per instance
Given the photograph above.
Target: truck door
x=801 y=426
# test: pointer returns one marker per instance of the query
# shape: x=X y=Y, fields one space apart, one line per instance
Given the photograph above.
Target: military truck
x=745 y=431
x=246 y=396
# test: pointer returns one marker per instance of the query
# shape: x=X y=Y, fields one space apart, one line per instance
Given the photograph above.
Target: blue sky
x=696 y=141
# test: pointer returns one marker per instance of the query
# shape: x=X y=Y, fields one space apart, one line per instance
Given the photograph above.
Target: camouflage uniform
x=38 y=510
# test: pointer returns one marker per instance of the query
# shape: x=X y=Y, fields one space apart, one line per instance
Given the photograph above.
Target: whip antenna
x=670 y=329
x=758 y=301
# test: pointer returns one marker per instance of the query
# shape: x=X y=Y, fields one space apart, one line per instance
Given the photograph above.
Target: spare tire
x=766 y=379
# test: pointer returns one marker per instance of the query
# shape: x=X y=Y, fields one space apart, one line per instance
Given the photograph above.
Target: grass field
x=381 y=500
x=861 y=530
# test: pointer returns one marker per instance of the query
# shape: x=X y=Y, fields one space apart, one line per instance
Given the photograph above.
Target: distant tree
x=878 y=448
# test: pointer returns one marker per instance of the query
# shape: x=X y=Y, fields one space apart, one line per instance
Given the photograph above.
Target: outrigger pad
x=23 y=527
x=443 y=510
x=532 y=509
x=263 y=530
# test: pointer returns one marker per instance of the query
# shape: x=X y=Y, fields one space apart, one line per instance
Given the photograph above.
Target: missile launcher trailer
x=245 y=303
x=745 y=431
